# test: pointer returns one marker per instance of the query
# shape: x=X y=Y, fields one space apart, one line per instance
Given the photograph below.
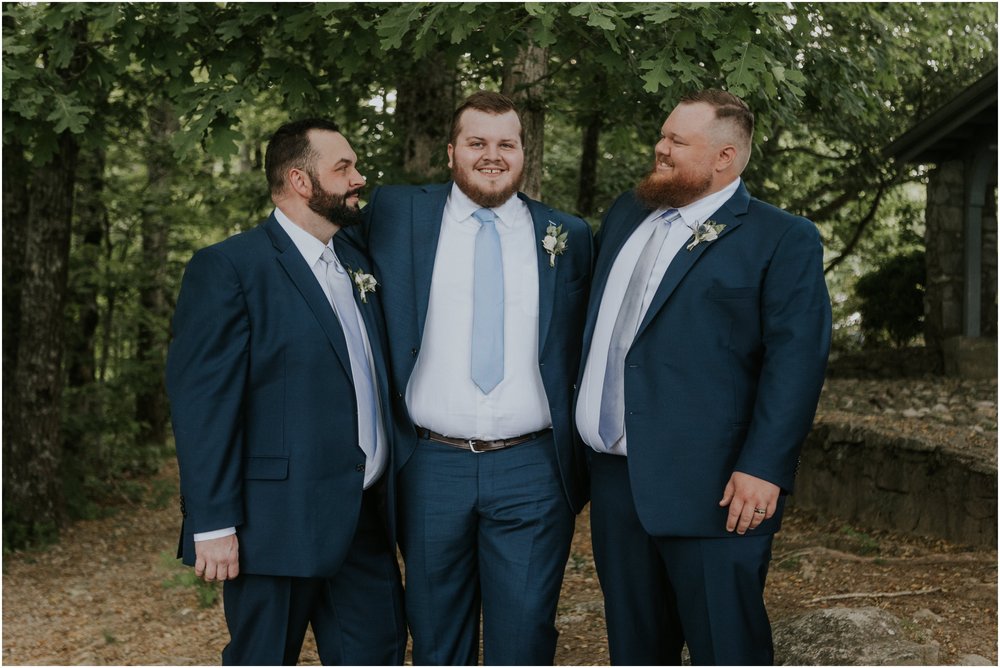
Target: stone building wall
x=945 y=262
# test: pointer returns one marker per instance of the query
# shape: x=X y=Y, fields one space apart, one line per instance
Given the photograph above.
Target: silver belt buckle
x=473 y=447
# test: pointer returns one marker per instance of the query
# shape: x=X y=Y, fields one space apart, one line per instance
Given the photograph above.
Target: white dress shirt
x=311 y=249
x=588 y=408
x=441 y=395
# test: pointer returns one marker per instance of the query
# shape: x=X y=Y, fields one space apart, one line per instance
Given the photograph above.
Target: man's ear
x=725 y=158
x=298 y=181
x=451 y=155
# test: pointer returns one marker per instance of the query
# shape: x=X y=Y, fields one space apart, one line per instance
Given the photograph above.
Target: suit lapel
x=540 y=216
x=370 y=310
x=305 y=281
x=729 y=214
x=428 y=211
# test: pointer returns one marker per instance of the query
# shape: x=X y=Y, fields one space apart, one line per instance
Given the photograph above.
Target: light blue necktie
x=342 y=290
x=612 y=421
x=487 y=305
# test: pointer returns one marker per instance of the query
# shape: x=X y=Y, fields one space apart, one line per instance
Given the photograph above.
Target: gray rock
x=925 y=614
x=974 y=660
x=848 y=637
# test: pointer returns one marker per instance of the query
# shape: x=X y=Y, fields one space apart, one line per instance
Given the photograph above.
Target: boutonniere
x=364 y=282
x=708 y=231
x=554 y=242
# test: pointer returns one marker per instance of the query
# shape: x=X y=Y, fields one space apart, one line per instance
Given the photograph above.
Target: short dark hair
x=487 y=101
x=289 y=147
x=726 y=105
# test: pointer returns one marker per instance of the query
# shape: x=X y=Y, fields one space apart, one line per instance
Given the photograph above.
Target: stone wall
x=945 y=262
x=881 y=480
x=910 y=362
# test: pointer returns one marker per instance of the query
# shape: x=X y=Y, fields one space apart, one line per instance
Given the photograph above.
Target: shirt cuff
x=218 y=533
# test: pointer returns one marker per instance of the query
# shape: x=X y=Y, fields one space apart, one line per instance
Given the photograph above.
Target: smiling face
x=487 y=158
x=692 y=159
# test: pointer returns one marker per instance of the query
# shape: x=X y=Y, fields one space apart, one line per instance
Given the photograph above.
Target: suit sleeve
x=206 y=378
x=795 y=330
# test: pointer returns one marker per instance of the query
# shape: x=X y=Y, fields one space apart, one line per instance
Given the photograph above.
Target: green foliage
x=830 y=85
x=860 y=541
x=892 y=299
x=183 y=576
x=18 y=535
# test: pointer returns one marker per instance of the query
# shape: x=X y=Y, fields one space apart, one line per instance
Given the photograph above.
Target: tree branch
x=875 y=594
x=859 y=230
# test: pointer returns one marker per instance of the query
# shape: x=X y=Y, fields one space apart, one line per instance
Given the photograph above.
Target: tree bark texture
x=588 y=163
x=152 y=412
x=31 y=446
x=15 y=233
x=425 y=100
x=523 y=82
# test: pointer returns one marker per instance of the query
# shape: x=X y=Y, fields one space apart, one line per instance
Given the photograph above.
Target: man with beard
x=705 y=346
x=484 y=293
x=278 y=380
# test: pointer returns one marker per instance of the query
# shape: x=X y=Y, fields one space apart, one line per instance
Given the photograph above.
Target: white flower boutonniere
x=364 y=282
x=708 y=231
x=554 y=242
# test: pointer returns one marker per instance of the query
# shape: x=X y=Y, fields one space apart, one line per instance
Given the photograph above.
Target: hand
x=217 y=559
x=744 y=494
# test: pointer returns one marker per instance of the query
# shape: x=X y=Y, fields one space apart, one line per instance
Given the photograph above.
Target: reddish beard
x=674 y=190
x=482 y=197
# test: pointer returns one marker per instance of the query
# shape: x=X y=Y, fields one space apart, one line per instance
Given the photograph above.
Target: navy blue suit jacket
x=403 y=224
x=263 y=404
x=727 y=364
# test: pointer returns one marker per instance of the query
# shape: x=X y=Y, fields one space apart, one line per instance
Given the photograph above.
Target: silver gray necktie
x=342 y=291
x=612 y=420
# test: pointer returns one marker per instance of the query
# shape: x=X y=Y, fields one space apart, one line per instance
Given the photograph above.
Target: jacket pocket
x=265 y=468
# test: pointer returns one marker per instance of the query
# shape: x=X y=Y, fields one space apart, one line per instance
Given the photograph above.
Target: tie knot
x=670 y=215
x=485 y=216
x=329 y=257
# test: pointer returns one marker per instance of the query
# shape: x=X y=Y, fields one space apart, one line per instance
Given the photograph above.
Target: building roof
x=964 y=124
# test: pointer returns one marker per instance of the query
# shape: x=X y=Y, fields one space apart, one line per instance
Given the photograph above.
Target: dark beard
x=485 y=198
x=657 y=192
x=334 y=207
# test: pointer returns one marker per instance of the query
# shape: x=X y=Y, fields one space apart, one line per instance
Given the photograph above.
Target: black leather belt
x=478 y=446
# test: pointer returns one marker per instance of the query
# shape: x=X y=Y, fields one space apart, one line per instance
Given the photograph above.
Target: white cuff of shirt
x=218 y=533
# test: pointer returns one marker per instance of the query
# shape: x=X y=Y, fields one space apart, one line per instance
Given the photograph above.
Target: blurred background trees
x=134 y=134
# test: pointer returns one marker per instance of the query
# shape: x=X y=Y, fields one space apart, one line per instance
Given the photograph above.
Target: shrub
x=892 y=299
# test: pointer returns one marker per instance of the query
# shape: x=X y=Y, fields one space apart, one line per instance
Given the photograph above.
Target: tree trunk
x=82 y=423
x=153 y=327
x=523 y=82
x=31 y=491
x=588 y=164
x=424 y=105
x=91 y=221
x=15 y=233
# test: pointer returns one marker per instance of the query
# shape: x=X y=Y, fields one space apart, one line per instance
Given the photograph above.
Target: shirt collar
x=309 y=246
x=462 y=207
x=699 y=211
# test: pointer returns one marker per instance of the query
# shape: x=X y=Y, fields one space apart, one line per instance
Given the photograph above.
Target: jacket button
x=360 y=468
x=413 y=352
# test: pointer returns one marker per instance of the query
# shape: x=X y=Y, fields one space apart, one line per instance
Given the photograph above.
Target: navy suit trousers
x=662 y=591
x=356 y=616
x=486 y=531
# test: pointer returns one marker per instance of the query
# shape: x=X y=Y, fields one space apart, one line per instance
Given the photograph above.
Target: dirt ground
x=111 y=592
